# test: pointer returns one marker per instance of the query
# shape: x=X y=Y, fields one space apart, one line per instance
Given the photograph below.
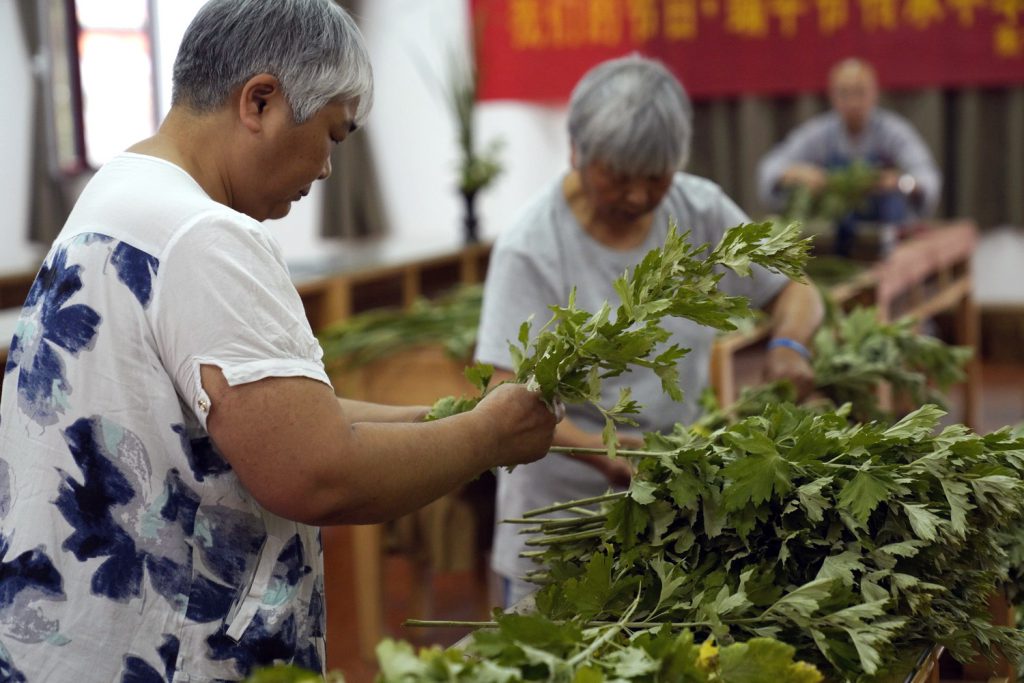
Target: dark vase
x=469 y=219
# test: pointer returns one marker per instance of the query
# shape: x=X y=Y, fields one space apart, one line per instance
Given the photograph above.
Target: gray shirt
x=536 y=263
x=887 y=141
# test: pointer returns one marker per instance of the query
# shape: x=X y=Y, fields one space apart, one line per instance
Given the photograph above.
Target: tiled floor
x=464 y=595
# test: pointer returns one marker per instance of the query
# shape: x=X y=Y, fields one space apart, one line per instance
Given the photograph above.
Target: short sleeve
x=517 y=287
x=224 y=298
x=762 y=285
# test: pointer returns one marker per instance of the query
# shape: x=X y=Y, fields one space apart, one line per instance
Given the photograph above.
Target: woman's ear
x=259 y=93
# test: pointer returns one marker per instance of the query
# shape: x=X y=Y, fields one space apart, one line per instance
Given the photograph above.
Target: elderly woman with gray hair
x=630 y=131
x=169 y=438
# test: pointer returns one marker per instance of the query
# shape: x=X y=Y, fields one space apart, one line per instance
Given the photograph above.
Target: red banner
x=537 y=49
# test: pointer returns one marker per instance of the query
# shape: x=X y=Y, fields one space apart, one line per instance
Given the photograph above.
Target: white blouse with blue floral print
x=129 y=551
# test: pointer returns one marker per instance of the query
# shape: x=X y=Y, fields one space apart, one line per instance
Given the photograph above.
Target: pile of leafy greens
x=858 y=544
x=855 y=354
x=520 y=648
x=450 y=320
x=532 y=648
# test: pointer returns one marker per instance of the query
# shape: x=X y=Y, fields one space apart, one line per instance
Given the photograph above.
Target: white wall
x=413 y=134
x=411 y=131
x=15 y=74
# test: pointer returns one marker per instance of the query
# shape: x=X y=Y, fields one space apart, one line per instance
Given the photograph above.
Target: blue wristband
x=790 y=344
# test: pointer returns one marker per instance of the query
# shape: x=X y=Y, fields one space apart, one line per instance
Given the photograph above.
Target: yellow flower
x=802 y=672
x=707 y=658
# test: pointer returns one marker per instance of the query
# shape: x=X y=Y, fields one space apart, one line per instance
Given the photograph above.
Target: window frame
x=62 y=44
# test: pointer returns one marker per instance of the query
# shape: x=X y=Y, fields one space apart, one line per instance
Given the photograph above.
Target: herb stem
x=575 y=503
x=608 y=635
x=565 y=538
x=603 y=451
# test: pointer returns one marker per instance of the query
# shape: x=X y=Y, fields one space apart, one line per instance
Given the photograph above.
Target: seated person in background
x=630 y=130
x=855 y=130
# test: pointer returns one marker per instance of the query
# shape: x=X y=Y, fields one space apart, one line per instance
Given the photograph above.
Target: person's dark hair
x=632 y=114
x=312 y=47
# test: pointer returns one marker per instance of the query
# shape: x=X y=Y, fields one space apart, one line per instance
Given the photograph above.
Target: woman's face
x=621 y=198
x=291 y=157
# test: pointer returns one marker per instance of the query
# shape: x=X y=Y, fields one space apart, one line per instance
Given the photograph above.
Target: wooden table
x=925 y=274
x=382 y=274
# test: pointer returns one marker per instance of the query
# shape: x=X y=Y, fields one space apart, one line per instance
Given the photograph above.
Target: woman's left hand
x=788 y=364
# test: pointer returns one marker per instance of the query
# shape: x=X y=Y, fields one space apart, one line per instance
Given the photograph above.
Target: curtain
x=48 y=204
x=353 y=206
x=976 y=136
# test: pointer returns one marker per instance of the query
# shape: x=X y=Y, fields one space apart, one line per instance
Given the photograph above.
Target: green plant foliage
x=521 y=648
x=285 y=673
x=477 y=169
x=860 y=544
x=450 y=320
x=855 y=353
x=845 y=190
x=576 y=349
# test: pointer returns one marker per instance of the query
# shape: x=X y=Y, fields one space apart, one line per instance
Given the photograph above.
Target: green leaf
x=959 y=505
x=841 y=567
x=685 y=490
x=398 y=662
x=629 y=520
x=901 y=549
x=714 y=513
x=479 y=375
x=610 y=438
x=536 y=631
x=870 y=659
x=669 y=578
x=632 y=662
x=872 y=591
x=925 y=523
x=862 y=494
x=759 y=660
x=804 y=600
x=642 y=491
x=588 y=674
x=813 y=502
x=727 y=602
x=755 y=478
x=590 y=593
x=451 y=405
x=284 y=673
x=917 y=425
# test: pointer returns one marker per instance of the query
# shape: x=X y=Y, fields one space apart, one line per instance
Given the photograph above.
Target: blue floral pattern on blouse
x=49 y=326
x=112 y=522
x=146 y=529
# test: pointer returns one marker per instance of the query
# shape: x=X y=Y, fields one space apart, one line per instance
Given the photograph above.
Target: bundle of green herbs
x=450 y=320
x=859 y=544
x=855 y=354
x=846 y=189
x=576 y=349
x=520 y=648
x=532 y=648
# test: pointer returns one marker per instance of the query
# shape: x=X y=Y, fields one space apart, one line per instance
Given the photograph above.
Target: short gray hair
x=312 y=47
x=632 y=114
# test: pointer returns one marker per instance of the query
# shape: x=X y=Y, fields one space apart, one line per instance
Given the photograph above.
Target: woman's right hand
x=520 y=423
